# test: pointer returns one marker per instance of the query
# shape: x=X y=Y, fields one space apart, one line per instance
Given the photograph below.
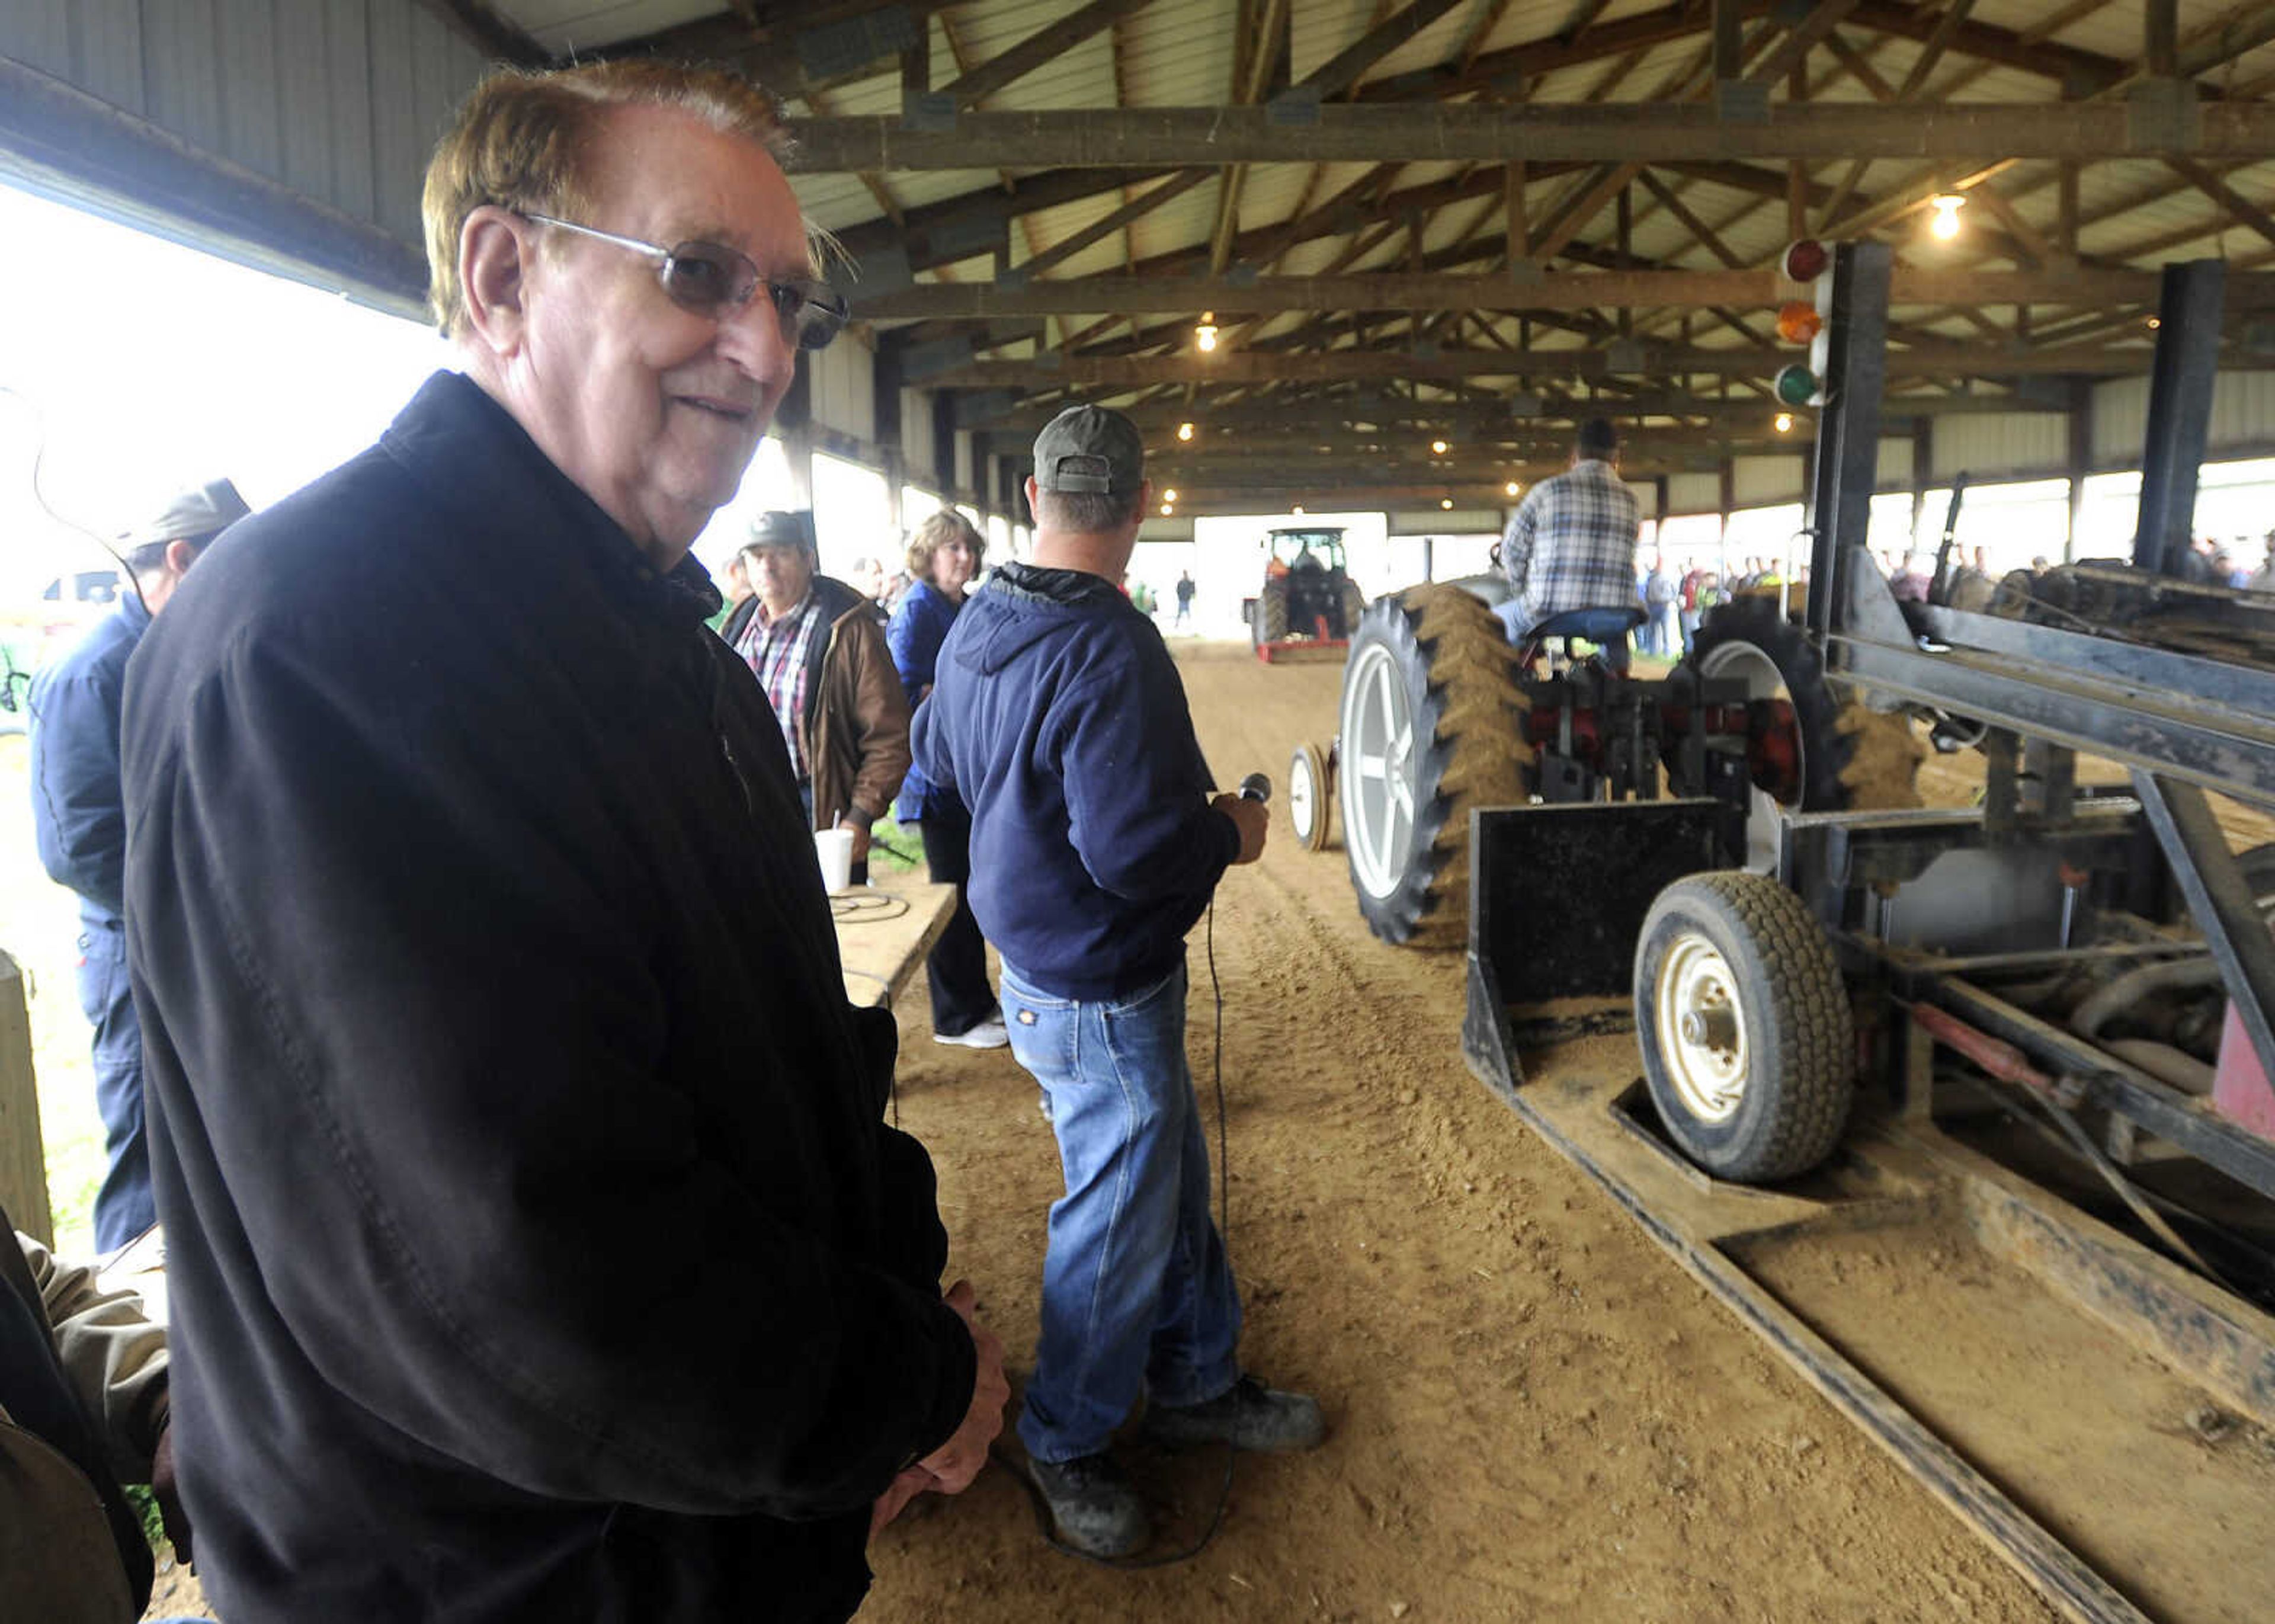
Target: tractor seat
x=1608 y=627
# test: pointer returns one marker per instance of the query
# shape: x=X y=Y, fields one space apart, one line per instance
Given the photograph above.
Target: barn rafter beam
x=2239 y=208
x=1951 y=360
x=953 y=220
x=1343 y=70
x=1304 y=411
x=1476 y=133
x=1059 y=253
x=490 y=32
x=1009 y=66
x=1154 y=289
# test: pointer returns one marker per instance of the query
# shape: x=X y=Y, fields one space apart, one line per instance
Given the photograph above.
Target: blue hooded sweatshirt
x=1057 y=715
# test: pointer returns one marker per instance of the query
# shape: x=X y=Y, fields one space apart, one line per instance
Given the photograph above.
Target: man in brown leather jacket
x=814 y=644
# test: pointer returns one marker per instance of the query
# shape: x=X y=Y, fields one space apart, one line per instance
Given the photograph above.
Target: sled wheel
x=1747 y=1035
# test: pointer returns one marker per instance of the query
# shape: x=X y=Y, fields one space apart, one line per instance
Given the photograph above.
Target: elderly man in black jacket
x=536 y=1245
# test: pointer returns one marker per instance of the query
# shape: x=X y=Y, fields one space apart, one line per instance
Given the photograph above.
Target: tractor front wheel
x=1310 y=796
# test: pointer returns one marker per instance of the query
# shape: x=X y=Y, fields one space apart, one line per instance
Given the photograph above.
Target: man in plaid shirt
x=814 y=644
x=1572 y=542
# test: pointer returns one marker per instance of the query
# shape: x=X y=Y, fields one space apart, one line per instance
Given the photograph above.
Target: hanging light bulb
x=1445 y=502
x=1166 y=509
x=1783 y=422
x=1945 y=223
x=1437 y=447
x=1168 y=496
x=1184 y=431
x=1204 y=334
x=1510 y=488
x=1297 y=509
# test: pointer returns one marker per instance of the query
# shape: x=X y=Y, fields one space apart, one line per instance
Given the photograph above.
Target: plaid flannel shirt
x=1571 y=544
x=776 y=651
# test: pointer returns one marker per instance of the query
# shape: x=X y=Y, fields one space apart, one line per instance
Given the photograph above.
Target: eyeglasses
x=710 y=280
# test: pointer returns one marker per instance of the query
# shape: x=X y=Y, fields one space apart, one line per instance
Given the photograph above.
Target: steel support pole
x=1849 y=434
x=2220 y=899
x=2180 y=410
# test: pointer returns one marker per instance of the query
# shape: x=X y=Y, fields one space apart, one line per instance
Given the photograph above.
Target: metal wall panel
x=1757 y=482
x=183 y=77
x=2243 y=410
x=1439 y=522
x=251 y=98
x=2120 y=420
x=1694 y=493
x=339 y=101
x=917 y=439
x=347 y=86
x=107 y=61
x=37 y=33
x=2000 y=444
x=842 y=381
x=2243 y=416
x=1893 y=468
x=304 y=119
x=396 y=147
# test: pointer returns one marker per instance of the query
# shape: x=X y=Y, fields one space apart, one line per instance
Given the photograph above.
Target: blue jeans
x=1138 y=1293
x=124 y=1207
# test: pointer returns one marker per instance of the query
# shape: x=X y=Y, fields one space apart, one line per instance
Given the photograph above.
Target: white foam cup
x=834 y=848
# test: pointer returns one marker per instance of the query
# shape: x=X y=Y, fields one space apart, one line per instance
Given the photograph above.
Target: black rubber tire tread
x=1354 y=606
x=1463 y=697
x=1269 y=624
x=1799 y=1028
x=1832 y=725
x=1311 y=760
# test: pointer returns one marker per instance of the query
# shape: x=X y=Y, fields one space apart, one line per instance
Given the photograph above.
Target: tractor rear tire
x=1852 y=758
x=1354 y=605
x=1269 y=622
x=1748 y=1039
x=1432 y=727
x=1311 y=797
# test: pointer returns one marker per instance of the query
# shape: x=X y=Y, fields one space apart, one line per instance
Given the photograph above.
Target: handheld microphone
x=1256 y=787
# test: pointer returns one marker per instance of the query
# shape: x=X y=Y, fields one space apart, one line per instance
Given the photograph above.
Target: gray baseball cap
x=201 y=511
x=778 y=528
x=1089 y=450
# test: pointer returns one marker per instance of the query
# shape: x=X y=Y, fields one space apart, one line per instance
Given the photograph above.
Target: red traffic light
x=1798 y=322
x=1805 y=259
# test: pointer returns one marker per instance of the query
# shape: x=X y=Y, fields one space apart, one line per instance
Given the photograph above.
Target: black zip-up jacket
x=536 y=1247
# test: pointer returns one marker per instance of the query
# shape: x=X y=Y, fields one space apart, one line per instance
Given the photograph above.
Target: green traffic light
x=1796 y=385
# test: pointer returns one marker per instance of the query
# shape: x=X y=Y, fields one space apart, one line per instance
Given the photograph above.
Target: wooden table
x=884 y=931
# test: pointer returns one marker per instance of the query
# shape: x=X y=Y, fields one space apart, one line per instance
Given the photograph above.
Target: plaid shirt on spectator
x=776 y=651
x=1572 y=544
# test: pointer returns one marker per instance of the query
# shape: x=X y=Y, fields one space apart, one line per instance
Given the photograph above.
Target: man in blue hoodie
x=1057 y=717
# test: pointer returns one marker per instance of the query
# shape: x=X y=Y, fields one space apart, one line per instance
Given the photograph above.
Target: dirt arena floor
x=1535 y=1415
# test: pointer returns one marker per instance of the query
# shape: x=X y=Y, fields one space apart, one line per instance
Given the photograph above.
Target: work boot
x=1249 y=1416
x=1093 y=1504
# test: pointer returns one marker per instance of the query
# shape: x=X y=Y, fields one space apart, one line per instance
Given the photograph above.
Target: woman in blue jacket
x=943 y=556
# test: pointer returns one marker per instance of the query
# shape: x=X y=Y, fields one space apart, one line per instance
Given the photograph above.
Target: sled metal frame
x=2182 y=724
